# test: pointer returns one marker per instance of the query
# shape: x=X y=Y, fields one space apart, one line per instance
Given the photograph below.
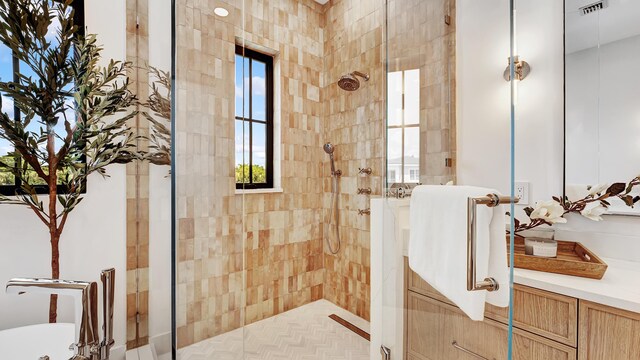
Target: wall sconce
x=522 y=69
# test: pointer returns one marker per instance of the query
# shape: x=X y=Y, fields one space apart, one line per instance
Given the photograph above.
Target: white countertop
x=619 y=288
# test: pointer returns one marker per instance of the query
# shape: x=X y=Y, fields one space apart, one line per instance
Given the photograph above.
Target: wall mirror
x=602 y=89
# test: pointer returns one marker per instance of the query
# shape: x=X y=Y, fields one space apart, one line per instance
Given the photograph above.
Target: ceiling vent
x=592 y=8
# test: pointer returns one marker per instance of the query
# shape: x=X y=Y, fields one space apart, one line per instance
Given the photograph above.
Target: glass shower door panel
x=209 y=136
x=444 y=100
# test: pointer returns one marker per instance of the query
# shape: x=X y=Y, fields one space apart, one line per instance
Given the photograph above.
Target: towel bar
x=491 y=200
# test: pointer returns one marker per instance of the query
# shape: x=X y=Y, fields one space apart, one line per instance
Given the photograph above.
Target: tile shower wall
x=419 y=38
x=283 y=245
x=354 y=123
x=234 y=271
x=280 y=246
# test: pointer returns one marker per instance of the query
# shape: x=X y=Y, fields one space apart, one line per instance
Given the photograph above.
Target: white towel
x=438 y=245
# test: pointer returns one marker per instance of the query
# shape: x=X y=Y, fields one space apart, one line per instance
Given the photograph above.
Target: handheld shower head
x=328 y=148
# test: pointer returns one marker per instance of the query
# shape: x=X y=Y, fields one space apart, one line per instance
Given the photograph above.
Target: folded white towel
x=438 y=245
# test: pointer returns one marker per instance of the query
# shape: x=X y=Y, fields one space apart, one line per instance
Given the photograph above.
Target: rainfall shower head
x=328 y=148
x=349 y=82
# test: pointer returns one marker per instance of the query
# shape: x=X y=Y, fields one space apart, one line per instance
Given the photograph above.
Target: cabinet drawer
x=433 y=326
x=608 y=333
x=547 y=314
x=544 y=313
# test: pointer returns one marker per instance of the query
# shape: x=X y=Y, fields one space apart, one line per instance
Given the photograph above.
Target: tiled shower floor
x=304 y=333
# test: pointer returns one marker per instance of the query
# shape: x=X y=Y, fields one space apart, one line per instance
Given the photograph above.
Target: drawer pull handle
x=455 y=345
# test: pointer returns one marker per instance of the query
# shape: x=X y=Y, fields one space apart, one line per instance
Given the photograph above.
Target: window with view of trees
x=12 y=70
x=253 y=119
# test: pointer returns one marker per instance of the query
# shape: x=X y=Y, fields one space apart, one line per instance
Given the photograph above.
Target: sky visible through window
x=258 y=108
x=403 y=131
x=7 y=75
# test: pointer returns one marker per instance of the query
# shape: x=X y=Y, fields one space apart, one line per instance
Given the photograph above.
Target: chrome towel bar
x=491 y=200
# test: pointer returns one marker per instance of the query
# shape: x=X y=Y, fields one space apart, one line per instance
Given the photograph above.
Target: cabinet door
x=608 y=333
x=426 y=321
x=433 y=327
x=541 y=312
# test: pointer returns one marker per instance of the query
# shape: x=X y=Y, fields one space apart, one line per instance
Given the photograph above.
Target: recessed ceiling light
x=222 y=12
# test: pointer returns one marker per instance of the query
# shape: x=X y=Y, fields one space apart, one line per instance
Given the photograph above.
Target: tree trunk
x=54 y=230
x=55 y=274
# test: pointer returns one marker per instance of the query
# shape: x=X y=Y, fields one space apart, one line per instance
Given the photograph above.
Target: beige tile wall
x=138 y=183
x=277 y=252
x=283 y=246
x=354 y=123
x=280 y=241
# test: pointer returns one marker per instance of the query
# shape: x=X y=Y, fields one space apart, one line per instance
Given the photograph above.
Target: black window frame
x=269 y=89
x=16 y=188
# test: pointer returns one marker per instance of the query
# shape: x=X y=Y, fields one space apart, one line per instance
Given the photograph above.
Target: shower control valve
x=364 y=212
x=365 y=191
x=366 y=171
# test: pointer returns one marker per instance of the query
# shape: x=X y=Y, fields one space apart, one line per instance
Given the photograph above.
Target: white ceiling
x=620 y=20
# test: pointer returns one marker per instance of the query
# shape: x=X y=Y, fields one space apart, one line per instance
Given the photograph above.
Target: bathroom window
x=414 y=175
x=403 y=126
x=253 y=119
x=392 y=176
x=10 y=67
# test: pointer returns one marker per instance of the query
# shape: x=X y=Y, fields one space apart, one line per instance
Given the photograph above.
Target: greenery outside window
x=11 y=70
x=253 y=119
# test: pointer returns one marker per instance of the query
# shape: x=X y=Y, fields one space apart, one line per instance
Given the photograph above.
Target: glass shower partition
x=251 y=177
x=450 y=121
x=209 y=289
x=257 y=102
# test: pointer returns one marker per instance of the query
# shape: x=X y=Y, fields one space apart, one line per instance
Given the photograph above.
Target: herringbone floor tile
x=305 y=333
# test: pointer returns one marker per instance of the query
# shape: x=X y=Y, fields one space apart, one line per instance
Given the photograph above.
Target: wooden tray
x=573 y=259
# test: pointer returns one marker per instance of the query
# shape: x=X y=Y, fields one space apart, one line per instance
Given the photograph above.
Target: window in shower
x=253 y=119
x=403 y=126
x=11 y=70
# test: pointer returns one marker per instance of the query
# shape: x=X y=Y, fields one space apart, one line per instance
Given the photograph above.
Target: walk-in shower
x=350 y=82
x=334 y=216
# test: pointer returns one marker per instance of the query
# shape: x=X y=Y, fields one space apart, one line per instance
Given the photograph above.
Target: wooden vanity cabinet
x=547 y=326
x=440 y=331
x=543 y=313
x=608 y=333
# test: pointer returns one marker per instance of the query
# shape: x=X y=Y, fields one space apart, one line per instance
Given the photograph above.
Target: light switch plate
x=522 y=192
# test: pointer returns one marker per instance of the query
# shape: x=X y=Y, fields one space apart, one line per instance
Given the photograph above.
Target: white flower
x=549 y=211
x=598 y=189
x=594 y=211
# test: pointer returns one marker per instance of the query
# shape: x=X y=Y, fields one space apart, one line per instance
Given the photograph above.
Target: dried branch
x=592 y=206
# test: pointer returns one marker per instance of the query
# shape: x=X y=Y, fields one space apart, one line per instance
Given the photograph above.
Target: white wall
x=483 y=113
x=94 y=238
x=484 y=99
